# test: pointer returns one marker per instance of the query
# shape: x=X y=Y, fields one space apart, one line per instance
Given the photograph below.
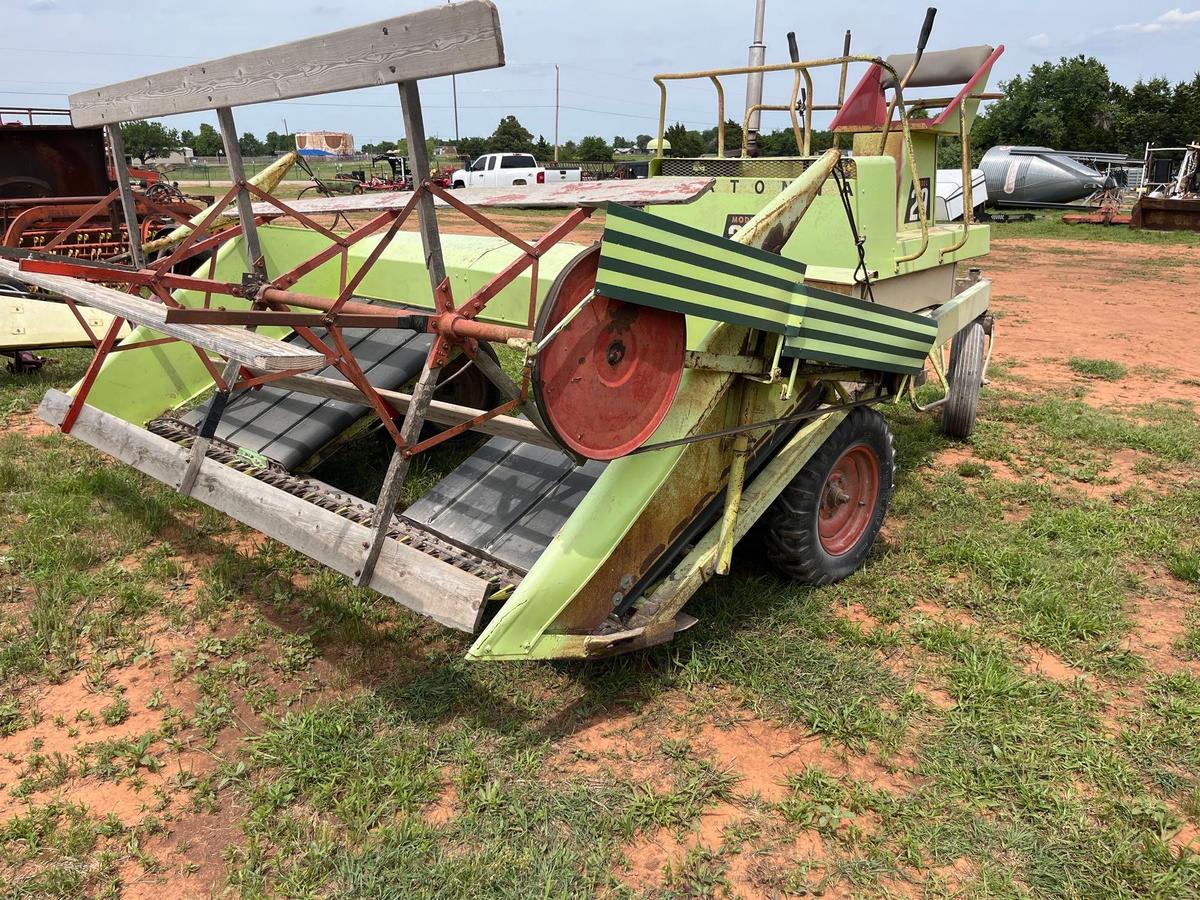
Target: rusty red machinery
x=55 y=178
x=59 y=193
x=456 y=326
x=1169 y=198
x=730 y=351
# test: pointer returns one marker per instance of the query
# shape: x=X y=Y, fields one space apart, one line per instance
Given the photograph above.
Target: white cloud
x=41 y=5
x=1171 y=20
x=1039 y=41
x=1179 y=17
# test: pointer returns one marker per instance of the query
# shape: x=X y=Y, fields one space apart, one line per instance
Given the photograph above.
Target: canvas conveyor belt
x=507 y=501
x=492 y=516
x=291 y=428
x=500 y=577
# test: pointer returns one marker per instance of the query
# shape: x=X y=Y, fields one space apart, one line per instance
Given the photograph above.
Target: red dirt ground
x=1129 y=303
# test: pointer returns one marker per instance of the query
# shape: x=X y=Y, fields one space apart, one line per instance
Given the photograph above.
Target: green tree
x=472 y=147
x=250 y=145
x=207 y=142
x=620 y=143
x=594 y=149
x=1185 y=113
x=642 y=141
x=1067 y=105
x=1146 y=113
x=733 y=137
x=275 y=142
x=684 y=142
x=510 y=136
x=146 y=140
x=568 y=152
x=542 y=149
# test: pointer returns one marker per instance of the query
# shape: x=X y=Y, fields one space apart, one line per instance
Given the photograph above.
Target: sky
x=608 y=51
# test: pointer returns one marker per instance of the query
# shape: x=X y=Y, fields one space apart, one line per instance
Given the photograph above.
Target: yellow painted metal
x=800 y=68
x=699 y=565
x=804 y=140
x=737 y=474
x=720 y=119
x=634 y=492
x=771 y=228
x=268 y=179
x=27 y=324
x=964 y=136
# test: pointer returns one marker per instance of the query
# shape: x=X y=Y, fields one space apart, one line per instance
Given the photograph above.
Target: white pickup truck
x=507 y=169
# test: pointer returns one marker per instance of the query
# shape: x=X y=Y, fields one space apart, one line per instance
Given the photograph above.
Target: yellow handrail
x=803 y=139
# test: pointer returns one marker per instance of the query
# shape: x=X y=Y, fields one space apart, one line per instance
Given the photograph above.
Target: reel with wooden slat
x=604 y=380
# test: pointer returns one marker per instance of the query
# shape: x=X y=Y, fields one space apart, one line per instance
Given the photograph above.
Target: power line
x=100 y=53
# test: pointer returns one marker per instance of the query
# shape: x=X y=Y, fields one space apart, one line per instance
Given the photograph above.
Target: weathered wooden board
x=439 y=411
x=632 y=192
x=254 y=350
x=422 y=583
x=443 y=40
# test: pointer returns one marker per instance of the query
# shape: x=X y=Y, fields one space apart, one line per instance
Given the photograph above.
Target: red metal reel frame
x=93 y=230
x=454 y=327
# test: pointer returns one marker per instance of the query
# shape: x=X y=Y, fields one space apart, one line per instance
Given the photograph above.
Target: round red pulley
x=604 y=382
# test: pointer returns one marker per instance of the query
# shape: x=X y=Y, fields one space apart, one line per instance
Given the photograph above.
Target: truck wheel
x=520 y=182
x=821 y=528
x=966 y=378
x=460 y=184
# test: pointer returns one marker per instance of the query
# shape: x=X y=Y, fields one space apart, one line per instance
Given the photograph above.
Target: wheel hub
x=848 y=500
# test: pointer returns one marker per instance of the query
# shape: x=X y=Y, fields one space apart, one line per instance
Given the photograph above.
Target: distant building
x=446 y=150
x=181 y=157
x=335 y=144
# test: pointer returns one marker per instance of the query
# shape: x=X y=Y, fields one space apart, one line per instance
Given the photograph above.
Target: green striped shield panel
x=654 y=262
x=845 y=331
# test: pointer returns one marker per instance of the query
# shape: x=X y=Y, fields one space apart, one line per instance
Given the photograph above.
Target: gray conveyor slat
x=506 y=502
x=289 y=427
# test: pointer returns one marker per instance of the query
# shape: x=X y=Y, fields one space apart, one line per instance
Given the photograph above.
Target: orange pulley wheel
x=606 y=380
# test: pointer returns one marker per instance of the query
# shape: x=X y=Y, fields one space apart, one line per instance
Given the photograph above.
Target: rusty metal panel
x=1167 y=214
x=52 y=161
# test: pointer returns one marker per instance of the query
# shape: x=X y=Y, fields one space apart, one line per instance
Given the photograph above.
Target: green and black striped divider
x=649 y=260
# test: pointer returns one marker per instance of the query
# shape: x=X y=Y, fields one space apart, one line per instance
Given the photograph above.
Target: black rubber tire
x=459 y=184
x=965 y=374
x=792 y=542
x=471 y=388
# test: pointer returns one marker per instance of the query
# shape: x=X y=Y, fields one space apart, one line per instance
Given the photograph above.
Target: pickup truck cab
x=506 y=170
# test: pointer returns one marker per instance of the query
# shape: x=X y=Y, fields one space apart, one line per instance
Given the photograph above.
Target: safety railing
x=803 y=131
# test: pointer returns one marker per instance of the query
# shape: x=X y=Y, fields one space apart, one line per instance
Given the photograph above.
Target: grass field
x=1004 y=703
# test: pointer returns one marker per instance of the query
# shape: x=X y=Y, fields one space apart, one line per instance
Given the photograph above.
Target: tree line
x=148 y=140
x=1072 y=104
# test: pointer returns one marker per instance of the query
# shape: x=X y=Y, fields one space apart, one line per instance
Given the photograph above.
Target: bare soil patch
x=1123 y=302
x=1159 y=611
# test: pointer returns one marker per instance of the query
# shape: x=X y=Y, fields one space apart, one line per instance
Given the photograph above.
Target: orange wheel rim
x=848 y=500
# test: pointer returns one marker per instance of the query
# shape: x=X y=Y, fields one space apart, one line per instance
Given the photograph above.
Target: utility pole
x=754 y=81
x=556 y=95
